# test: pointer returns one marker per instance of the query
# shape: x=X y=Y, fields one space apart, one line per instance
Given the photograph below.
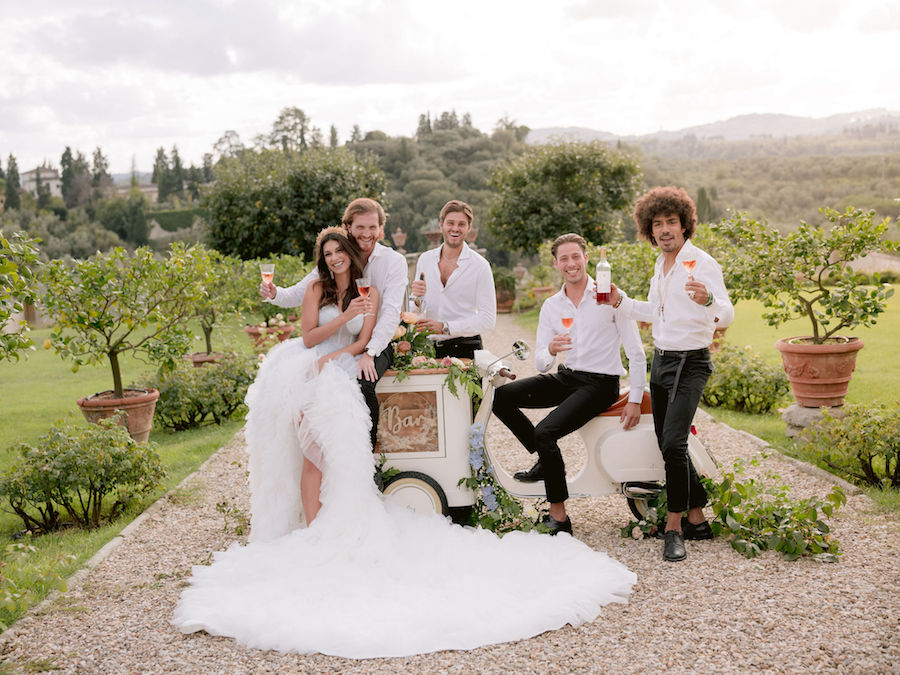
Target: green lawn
x=41 y=389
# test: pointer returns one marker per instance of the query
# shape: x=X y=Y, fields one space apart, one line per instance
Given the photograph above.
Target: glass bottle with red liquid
x=603 y=278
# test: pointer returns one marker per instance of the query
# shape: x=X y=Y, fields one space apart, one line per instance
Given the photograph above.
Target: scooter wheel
x=639 y=507
x=417 y=491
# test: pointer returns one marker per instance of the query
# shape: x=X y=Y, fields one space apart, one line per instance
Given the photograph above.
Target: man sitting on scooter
x=686 y=303
x=586 y=385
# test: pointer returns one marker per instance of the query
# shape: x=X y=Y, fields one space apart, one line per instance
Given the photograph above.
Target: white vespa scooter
x=618 y=461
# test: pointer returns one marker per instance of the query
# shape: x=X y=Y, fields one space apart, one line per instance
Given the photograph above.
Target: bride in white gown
x=367 y=578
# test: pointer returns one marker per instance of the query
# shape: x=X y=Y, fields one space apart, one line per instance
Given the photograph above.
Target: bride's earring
x=331 y=272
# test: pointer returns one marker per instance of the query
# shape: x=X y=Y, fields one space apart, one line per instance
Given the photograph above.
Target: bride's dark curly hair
x=326 y=281
x=662 y=201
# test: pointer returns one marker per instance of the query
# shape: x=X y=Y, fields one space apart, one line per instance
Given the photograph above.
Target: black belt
x=453 y=342
x=564 y=367
x=682 y=356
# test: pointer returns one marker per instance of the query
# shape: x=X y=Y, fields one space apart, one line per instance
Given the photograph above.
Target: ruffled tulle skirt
x=369 y=578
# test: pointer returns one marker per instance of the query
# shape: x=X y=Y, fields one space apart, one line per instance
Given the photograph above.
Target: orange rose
x=403 y=347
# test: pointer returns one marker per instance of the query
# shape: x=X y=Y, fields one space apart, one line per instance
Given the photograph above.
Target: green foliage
x=236 y=519
x=91 y=473
x=269 y=202
x=862 y=442
x=563 y=187
x=806 y=273
x=76 y=236
x=18 y=260
x=174 y=220
x=125 y=216
x=757 y=515
x=495 y=509
x=189 y=396
x=783 y=180
x=242 y=292
x=413 y=351
x=118 y=303
x=504 y=282
x=632 y=262
x=742 y=381
x=16 y=595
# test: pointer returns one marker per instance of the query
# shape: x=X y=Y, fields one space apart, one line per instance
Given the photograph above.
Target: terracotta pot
x=505 y=306
x=138 y=406
x=541 y=292
x=819 y=374
x=260 y=335
x=200 y=359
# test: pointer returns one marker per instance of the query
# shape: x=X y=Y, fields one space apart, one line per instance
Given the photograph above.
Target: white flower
x=280 y=317
x=637 y=533
x=458 y=362
x=530 y=512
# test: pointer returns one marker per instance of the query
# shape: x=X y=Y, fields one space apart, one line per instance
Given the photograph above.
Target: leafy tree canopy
x=269 y=202
x=563 y=187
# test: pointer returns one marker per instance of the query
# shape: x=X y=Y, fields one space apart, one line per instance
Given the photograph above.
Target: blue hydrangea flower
x=476 y=459
x=476 y=436
x=488 y=497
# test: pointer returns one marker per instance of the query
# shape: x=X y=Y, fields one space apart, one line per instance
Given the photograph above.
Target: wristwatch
x=446 y=329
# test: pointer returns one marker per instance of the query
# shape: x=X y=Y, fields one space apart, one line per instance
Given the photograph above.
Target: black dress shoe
x=556 y=526
x=696 y=532
x=533 y=475
x=673 y=550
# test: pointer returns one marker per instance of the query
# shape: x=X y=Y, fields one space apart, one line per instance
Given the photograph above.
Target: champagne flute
x=689 y=268
x=267 y=272
x=364 y=285
x=567 y=322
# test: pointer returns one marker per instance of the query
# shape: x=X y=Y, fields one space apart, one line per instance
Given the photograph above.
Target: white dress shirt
x=468 y=303
x=596 y=335
x=679 y=323
x=387 y=270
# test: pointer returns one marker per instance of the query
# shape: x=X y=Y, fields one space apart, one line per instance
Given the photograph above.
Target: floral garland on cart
x=495 y=509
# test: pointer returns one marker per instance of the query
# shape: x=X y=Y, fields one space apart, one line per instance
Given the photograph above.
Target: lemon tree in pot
x=119 y=303
x=222 y=281
x=806 y=274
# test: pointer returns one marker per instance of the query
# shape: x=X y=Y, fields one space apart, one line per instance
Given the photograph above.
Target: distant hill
x=743 y=127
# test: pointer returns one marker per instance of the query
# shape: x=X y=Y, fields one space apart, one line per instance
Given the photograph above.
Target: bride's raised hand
x=356 y=307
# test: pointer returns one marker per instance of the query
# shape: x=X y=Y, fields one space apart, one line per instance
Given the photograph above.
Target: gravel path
x=715 y=612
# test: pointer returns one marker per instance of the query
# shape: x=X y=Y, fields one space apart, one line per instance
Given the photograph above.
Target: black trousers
x=578 y=396
x=677 y=380
x=461 y=347
x=382 y=362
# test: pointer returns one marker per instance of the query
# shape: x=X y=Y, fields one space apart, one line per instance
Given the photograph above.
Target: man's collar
x=463 y=254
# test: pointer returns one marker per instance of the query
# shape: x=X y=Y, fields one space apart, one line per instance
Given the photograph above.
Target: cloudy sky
x=131 y=77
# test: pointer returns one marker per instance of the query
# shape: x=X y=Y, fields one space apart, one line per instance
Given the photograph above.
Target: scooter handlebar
x=507 y=373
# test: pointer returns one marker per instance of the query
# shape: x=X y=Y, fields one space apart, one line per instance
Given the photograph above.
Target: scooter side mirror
x=521 y=350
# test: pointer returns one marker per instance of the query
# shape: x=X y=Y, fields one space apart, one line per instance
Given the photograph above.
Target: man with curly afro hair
x=686 y=303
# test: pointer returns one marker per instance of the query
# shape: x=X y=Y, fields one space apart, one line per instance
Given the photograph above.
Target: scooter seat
x=616 y=408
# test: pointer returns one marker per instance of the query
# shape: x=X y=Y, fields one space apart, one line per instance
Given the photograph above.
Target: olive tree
x=562 y=187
